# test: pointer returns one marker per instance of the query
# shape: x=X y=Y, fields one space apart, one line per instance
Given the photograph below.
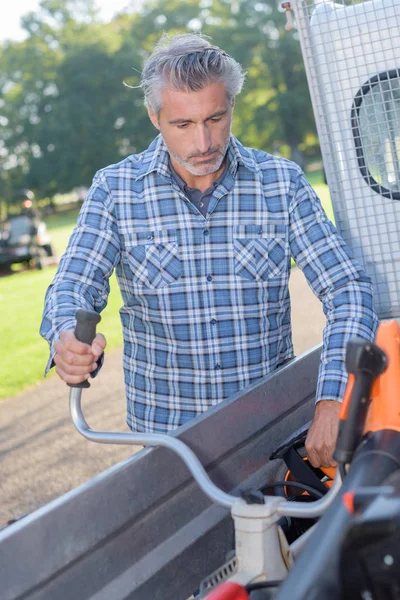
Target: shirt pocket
x=153 y=257
x=261 y=252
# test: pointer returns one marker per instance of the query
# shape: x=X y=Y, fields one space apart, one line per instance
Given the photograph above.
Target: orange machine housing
x=384 y=409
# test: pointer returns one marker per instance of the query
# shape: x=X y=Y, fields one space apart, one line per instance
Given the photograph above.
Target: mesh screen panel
x=351 y=50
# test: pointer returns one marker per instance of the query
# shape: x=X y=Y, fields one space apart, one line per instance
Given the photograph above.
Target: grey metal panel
x=346 y=45
x=143 y=529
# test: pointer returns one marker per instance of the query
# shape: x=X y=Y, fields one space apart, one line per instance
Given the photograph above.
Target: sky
x=10 y=16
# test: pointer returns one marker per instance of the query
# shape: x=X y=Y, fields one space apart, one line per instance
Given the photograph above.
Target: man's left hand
x=321 y=437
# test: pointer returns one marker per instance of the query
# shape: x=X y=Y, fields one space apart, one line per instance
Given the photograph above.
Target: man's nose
x=203 y=139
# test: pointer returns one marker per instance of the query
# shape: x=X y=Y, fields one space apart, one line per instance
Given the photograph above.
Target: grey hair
x=188 y=62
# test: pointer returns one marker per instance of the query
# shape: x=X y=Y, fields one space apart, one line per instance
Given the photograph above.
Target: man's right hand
x=75 y=360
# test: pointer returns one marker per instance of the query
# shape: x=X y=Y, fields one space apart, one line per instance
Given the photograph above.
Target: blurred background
x=65 y=113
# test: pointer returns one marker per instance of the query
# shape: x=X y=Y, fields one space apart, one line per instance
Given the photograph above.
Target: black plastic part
x=296 y=440
x=294 y=527
x=253 y=496
x=86 y=322
x=302 y=471
x=262 y=590
x=370 y=555
x=295 y=485
x=365 y=357
x=85 y=331
x=315 y=573
x=261 y=585
x=365 y=361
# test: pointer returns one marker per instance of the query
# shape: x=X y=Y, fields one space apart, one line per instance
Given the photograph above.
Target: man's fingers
x=72 y=358
x=69 y=342
x=321 y=437
x=74 y=367
x=71 y=377
x=313 y=458
x=98 y=345
x=326 y=460
x=318 y=452
x=311 y=450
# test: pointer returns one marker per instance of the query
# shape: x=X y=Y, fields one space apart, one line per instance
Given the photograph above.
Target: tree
x=65 y=113
x=274 y=110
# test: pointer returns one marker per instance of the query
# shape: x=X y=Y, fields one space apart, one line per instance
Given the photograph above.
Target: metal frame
x=144 y=529
x=348 y=47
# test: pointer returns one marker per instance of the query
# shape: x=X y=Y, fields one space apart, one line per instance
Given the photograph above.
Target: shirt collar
x=156 y=158
x=182 y=184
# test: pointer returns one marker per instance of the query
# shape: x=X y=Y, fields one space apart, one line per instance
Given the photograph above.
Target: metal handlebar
x=154 y=439
x=314 y=509
x=284 y=508
x=85 y=331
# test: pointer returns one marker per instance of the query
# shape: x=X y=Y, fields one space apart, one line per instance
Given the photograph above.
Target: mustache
x=204 y=154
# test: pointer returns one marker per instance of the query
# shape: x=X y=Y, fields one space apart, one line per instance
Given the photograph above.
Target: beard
x=207 y=166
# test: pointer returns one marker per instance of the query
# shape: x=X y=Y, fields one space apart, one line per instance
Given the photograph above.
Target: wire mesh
x=351 y=52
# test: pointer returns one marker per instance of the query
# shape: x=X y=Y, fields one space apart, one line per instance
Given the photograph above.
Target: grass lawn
x=25 y=353
x=21 y=302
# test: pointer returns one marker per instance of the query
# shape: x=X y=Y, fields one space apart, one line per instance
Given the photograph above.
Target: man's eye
x=182 y=125
x=216 y=119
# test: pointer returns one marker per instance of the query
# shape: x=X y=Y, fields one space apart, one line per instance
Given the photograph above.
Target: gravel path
x=41 y=454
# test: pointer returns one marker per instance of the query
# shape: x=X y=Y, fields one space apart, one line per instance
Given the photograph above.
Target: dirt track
x=41 y=454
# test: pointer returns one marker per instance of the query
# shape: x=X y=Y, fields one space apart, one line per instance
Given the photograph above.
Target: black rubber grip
x=86 y=321
x=366 y=361
x=351 y=429
x=85 y=331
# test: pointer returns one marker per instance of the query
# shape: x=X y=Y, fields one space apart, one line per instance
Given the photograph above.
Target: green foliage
x=23 y=364
x=27 y=353
x=65 y=113
x=64 y=109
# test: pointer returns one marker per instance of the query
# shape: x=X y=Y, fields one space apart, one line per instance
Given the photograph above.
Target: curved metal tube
x=284 y=509
x=154 y=439
x=297 y=546
x=314 y=509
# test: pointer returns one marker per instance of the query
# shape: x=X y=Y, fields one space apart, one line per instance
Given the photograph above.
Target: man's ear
x=153 y=118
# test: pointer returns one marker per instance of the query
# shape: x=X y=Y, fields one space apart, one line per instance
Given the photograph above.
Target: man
x=200 y=231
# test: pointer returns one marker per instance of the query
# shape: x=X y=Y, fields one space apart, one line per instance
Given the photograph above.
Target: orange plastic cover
x=384 y=410
x=328 y=471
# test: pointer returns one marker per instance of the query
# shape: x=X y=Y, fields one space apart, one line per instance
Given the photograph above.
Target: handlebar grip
x=85 y=331
x=365 y=361
x=86 y=321
x=351 y=430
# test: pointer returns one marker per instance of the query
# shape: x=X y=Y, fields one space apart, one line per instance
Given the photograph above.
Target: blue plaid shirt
x=206 y=307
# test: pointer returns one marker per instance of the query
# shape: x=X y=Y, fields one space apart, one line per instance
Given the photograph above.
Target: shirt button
x=260 y=230
x=206 y=232
x=213 y=321
x=217 y=367
x=209 y=278
x=149 y=237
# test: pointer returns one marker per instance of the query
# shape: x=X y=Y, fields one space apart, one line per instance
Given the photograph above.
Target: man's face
x=196 y=127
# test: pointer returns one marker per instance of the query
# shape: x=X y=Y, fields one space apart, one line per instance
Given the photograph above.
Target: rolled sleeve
x=82 y=278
